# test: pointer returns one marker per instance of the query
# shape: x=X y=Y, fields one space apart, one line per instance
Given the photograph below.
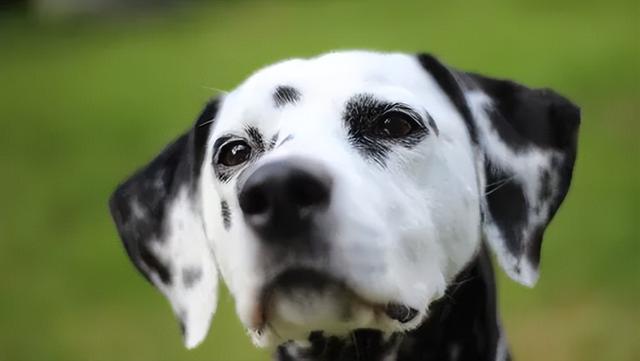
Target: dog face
x=346 y=192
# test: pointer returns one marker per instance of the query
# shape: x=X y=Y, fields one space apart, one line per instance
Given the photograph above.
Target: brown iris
x=234 y=153
x=394 y=125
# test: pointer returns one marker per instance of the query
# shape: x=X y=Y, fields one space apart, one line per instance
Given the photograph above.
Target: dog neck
x=463 y=325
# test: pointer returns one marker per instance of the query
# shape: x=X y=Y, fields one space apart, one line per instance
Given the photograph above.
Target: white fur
x=186 y=247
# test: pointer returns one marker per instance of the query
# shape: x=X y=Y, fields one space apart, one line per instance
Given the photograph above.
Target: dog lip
x=312 y=278
x=400 y=313
x=301 y=277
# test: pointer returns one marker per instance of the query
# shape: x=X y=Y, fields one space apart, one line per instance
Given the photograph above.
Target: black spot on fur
x=360 y=115
x=255 y=136
x=151 y=261
x=286 y=139
x=226 y=214
x=201 y=133
x=432 y=124
x=533 y=253
x=507 y=206
x=546 y=190
x=182 y=316
x=524 y=116
x=190 y=276
x=273 y=141
x=448 y=83
x=285 y=95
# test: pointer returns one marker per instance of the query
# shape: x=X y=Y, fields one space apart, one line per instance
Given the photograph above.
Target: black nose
x=281 y=199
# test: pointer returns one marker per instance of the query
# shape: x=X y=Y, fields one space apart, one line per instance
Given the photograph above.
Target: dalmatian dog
x=350 y=203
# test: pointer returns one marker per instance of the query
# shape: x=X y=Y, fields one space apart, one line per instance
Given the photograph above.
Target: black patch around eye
x=226 y=214
x=362 y=112
x=284 y=95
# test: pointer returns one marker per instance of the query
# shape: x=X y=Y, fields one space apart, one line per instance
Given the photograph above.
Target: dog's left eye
x=395 y=124
x=234 y=153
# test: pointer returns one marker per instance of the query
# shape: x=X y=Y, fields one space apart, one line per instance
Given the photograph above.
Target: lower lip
x=398 y=312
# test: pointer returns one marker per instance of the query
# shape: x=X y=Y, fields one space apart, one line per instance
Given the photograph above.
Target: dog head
x=345 y=192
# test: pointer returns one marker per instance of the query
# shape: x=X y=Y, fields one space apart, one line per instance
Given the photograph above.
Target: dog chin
x=293 y=314
x=300 y=302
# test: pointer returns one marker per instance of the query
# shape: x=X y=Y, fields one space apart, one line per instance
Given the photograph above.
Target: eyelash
x=406 y=110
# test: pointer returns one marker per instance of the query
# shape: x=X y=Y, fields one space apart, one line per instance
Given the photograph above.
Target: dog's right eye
x=234 y=153
x=395 y=124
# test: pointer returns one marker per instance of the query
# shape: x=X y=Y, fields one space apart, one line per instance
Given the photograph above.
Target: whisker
x=460 y=283
x=498 y=184
x=217 y=90
x=205 y=123
x=455 y=286
x=499 y=181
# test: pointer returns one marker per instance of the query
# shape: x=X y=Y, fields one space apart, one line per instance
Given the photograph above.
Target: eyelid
x=408 y=111
x=219 y=143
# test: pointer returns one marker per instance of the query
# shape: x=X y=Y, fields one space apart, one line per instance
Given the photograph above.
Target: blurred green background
x=86 y=99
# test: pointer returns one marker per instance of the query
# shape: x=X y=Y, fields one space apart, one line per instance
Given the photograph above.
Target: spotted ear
x=157 y=212
x=525 y=142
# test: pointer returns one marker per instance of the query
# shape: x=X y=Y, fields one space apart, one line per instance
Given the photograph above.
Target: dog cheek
x=424 y=265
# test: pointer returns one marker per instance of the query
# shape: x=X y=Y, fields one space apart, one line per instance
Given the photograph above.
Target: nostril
x=254 y=201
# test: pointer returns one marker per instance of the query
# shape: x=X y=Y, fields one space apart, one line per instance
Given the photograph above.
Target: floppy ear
x=157 y=212
x=525 y=143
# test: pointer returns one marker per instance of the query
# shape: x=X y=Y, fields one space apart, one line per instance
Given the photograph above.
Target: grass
x=84 y=102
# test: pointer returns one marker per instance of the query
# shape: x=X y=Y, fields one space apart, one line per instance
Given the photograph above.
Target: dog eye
x=234 y=153
x=394 y=124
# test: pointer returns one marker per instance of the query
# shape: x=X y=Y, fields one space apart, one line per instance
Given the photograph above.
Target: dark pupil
x=395 y=127
x=234 y=154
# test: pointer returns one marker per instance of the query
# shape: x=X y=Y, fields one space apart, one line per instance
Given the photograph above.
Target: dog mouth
x=302 y=290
